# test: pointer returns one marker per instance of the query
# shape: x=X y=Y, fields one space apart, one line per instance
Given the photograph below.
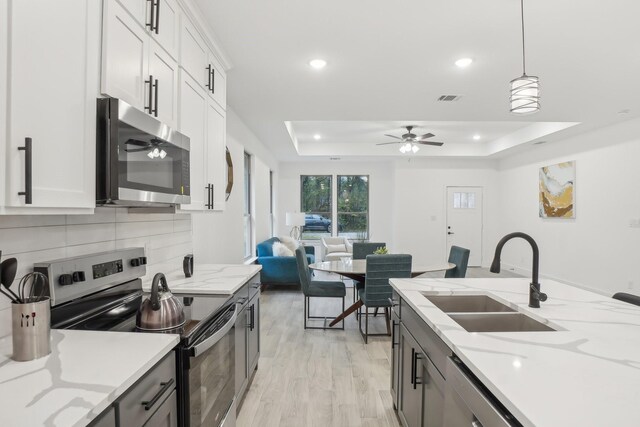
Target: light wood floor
x=319 y=378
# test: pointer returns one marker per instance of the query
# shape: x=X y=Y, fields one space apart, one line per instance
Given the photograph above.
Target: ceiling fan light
x=156 y=152
x=525 y=95
x=163 y=154
x=150 y=155
x=414 y=148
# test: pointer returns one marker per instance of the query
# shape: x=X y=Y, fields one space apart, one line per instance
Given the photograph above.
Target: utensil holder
x=31 y=330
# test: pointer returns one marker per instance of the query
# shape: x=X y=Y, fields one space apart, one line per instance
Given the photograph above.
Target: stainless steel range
x=102 y=292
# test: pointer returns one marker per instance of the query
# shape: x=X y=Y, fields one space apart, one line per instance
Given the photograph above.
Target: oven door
x=210 y=377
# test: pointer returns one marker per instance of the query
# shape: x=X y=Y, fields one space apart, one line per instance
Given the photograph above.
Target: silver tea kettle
x=161 y=311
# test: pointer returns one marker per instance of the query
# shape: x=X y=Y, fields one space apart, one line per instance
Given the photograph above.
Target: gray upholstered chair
x=460 y=257
x=377 y=290
x=336 y=248
x=317 y=289
x=361 y=250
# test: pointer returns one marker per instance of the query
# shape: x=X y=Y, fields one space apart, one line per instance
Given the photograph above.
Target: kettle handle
x=158 y=280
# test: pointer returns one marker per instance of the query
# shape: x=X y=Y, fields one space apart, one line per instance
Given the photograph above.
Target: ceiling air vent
x=449 y=98
x=334 y=158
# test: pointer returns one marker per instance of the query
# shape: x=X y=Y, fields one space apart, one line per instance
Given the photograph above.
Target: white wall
x=219 y=236
x=597 y=249
x=420 y=220
x=165 y=237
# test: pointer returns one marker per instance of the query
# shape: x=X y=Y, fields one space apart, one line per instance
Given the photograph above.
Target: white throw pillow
x=336 y=248
x=280 y=249
x=289 y=242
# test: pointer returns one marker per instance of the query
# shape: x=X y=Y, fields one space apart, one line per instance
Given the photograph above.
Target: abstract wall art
x=556 y=189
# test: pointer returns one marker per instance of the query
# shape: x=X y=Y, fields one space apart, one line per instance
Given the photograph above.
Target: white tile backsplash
x=165 y=237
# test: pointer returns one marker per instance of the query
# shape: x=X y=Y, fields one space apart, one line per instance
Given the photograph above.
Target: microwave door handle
x=213 y=339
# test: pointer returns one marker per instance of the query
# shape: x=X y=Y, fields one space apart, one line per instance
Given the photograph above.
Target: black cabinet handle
x=152 y=20
x=414 y=368
x=252 y=317
x=150 y=97
x=393 y=333
x=213 y=80
x=208 y=85
x=208 y=205
x=165 y=386
x=213 y=196
x=28 y=171
x=157 y=29
x=155 y=102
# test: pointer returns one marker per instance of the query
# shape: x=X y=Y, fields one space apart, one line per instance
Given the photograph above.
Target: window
x=272 y=217
x=248 y=208
x=353 y=206
x=464 y=200
x=315 y=202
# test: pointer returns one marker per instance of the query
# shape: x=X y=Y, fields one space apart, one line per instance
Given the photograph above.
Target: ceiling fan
x=410 y=140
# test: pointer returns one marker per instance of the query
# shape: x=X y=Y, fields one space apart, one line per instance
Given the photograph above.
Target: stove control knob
x=79 y=276
x=65 y=279
x=143 y=260
x=135 y=262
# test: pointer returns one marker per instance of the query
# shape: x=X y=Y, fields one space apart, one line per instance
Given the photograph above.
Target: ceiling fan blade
x=393 y=136
x=437 y=144
x=386 y=143
x=135 y=150
x=426 y=135
x=137 y=143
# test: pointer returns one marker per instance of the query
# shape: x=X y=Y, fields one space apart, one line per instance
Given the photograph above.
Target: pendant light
x=525 y=90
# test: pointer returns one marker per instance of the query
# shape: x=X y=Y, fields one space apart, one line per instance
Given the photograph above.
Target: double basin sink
x=481 y=313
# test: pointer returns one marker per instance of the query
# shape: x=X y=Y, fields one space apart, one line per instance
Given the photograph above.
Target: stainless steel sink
x=499 y=322
x=467 y=303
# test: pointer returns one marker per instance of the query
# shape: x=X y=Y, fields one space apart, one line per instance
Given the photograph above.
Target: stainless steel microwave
x=140 y=161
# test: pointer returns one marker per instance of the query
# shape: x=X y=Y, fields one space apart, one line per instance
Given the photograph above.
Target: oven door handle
x=213 y=339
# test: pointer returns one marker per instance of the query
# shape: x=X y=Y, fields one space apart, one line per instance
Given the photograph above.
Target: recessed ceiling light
x=476 y=137
x=464 y=62
x=318 y=64
x=316 y=137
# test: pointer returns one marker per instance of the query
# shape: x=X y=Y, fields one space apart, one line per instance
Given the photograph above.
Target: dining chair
x=460 y=257
x=630 y=298
x=360 y=251
x=317 y=289
x=377 y=291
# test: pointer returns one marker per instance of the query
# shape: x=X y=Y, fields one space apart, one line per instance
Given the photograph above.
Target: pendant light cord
x=522 y=20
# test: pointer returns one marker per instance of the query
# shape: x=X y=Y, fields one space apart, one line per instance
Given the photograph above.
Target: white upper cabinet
x=218 y=86
x=216 y=154
x=164 y=71
x=53 y=75
x=194 y=54
x=137 y=9
x=167 y=28
x=125 y=51
x=193 y=118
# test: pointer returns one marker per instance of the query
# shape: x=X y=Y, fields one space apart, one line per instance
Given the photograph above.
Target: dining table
x=356 y=269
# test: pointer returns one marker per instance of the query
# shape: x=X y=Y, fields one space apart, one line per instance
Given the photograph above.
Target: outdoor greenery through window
x=315 y=202
x=353 y=206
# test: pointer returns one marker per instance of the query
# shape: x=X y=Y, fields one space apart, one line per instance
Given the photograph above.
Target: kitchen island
x=585 y=371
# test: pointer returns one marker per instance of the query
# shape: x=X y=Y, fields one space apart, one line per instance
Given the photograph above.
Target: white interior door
x=464 y=221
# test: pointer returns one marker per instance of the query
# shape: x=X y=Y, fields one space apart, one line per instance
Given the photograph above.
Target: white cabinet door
x=216 y=153
x=125 y=50
x=168 y=32
x=218 y=90
x=165 y=74
x=138 y=9
x=53 y=79
x=192 y=123
x=194 y=54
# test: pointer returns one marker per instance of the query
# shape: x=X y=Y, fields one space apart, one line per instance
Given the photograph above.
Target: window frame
x=368 y=202
x=331 y=204
x=247 y=213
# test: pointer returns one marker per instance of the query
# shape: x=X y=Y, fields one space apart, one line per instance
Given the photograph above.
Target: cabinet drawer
x=167 y=414
x=430 y=343
x=149 y=392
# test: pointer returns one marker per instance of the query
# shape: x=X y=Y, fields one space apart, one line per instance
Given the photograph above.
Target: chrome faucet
x=535 y=296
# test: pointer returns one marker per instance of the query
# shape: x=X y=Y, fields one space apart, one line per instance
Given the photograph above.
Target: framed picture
x=556 y=185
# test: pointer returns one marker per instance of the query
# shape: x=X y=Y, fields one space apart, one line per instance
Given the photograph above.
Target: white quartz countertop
x=210 y=279
x=81 y=377
x=585 y=374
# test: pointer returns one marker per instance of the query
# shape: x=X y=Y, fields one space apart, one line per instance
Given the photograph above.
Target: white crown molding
x=194 y=13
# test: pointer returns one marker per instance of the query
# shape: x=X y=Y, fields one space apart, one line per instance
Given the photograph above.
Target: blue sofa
x=279 y=270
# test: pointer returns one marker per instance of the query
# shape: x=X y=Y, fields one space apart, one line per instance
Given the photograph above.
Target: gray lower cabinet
x=247 y=336
x=410 y=404
x=150 y=402
x=395 y=358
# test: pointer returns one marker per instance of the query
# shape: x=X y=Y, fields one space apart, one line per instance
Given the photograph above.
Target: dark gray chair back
x=361 y=250
x=630 y=298
x=381 y=268
x=460 y=257
x=303 y=270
